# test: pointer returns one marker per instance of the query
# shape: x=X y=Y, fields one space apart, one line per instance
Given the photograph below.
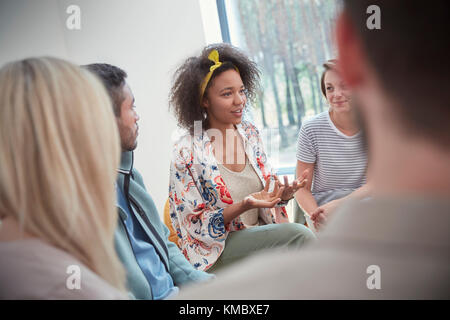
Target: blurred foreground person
x=397 y=244
x=59 y=153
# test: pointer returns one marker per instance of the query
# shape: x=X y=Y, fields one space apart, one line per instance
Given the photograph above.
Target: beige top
x=240 y=185
x=33 y=269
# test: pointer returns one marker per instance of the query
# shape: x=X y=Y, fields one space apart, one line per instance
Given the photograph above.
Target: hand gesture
x=318 y=218
x=264 y=198
x=291 y=189
x=322 y=213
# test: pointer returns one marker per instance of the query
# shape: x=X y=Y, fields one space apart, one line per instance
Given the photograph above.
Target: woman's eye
x=227 y=94
x=329 y=88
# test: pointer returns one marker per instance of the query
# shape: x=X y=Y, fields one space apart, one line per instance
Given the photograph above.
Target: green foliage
x=293 y=36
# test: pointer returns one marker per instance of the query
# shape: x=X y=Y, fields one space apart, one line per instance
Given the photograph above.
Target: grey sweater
x=33 y=269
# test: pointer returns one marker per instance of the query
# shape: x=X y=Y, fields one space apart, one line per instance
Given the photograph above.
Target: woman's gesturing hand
x=264 y=198
x=291 y=189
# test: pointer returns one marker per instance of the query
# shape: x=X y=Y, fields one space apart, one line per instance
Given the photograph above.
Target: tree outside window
x=290 y=40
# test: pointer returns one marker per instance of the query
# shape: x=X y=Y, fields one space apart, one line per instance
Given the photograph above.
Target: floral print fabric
x=198 y=195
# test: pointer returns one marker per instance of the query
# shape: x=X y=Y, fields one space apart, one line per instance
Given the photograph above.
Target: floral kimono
x=198 y=195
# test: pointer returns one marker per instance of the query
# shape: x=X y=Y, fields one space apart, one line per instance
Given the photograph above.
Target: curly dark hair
x=113 y=78
x=184 y=96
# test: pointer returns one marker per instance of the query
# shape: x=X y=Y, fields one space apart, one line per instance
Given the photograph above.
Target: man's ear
x=351 y=58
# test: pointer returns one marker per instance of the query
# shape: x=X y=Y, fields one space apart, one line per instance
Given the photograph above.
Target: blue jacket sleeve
x=180 y=269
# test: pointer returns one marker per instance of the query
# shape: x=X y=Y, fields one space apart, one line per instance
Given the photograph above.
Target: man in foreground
x=397 y=244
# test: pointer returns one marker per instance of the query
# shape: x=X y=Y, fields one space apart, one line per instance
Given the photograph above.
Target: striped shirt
x=340 y=160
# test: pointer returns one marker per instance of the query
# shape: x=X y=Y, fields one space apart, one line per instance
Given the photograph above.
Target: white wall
x=146 y=38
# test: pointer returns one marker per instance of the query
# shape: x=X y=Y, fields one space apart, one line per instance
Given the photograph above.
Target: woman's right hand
x=261 y=199
x=264 y=198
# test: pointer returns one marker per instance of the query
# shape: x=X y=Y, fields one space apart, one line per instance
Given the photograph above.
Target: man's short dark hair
x=113 y=78
x=409 y=57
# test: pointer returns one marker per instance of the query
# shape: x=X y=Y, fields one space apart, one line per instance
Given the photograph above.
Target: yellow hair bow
x=214 y=57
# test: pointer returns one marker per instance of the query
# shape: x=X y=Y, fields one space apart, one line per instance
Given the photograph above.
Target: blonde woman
x=59 y=153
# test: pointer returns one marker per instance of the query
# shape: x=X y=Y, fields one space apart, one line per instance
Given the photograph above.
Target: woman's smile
x=237 y=113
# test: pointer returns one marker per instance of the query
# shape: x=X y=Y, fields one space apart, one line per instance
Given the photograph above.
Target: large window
x=290 y=40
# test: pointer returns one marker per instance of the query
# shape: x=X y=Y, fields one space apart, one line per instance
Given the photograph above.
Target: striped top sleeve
x=305 y=150
x=340 y=160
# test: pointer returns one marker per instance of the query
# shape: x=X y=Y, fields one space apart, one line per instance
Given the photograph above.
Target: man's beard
x=130 y=144
x=129 y=147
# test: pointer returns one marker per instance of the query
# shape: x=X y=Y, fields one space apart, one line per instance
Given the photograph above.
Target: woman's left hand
x=290 y=189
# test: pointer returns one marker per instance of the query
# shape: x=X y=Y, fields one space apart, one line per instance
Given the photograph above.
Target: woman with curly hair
x=223 y=205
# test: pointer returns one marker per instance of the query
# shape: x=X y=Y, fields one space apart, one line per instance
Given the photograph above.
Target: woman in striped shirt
x=331 y=147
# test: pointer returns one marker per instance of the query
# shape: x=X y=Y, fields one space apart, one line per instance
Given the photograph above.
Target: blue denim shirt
x=147 y=258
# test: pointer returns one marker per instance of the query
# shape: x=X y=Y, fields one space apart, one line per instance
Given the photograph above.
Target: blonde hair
x=59 y=154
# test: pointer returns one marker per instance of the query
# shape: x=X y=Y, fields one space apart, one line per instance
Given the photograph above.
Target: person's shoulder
x=315 y=125
x=182 y=138
x=247 y=125
x=185 y=141
x=92 y=287
x=249 y=129
x=137 y=177
x=183 y=149
x=31 y=249
x=35 y=269
x=315 y=121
